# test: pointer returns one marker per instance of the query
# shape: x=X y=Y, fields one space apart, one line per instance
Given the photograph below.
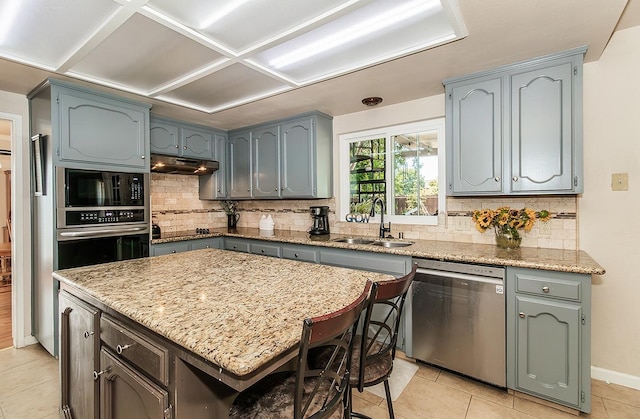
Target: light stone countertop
x=237 y=310
x=576 y=261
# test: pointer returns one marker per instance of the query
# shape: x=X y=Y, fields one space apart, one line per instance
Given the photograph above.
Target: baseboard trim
x=615 y=377
x=28 y=340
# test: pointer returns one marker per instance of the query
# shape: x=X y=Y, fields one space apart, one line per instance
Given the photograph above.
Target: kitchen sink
x=389 y=243
x=354 y=240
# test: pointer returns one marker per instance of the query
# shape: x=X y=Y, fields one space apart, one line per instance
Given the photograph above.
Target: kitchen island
x=193 y=328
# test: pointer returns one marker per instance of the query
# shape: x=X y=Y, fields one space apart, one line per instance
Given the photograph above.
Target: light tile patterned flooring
x=29 y=390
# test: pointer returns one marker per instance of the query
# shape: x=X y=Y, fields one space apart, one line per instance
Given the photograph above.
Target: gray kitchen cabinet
x=290 y=158
x=475 y=165
x=368 y=261
x=214 y=186
x=210 y=243
x=307 y=157
x=175 y=138
x=168 y=248
x=186 y=245
x=99 y=130
x=240 y=179
x=237 y=245
x=301 y=253
x=517 y=129
x=266 y=248
x=265 y=144
x=549 y=334
x=164 y=137
x=79 y=346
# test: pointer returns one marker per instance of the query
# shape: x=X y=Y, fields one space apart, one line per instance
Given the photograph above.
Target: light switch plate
x=620 y=181
x=463 y=223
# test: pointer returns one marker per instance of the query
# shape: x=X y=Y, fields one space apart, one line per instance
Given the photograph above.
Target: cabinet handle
x=207 y=247
x=173 y=251
x=218 y=190
x=184 y=148
x=248 y=189
x=295 y=254
x=262 y=251
x=515 y=178
x=497 y=178
x=176 y=145
x=120 y=349
x=142 y=157
x=97 y=375
x=545 y=289
x=87 y=334
x=522 y=315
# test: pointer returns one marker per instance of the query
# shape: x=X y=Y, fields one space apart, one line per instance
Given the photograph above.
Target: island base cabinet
x=125 y=394
x=79 y=343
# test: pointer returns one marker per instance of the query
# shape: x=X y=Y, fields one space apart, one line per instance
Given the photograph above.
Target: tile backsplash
x=175 y=206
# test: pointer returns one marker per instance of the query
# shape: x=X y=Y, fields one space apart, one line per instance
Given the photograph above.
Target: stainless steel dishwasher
x=458 y=318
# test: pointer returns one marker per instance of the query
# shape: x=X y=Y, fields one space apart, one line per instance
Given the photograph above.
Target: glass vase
x=507 y=239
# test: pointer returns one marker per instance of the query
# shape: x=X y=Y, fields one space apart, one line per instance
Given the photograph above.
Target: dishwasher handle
x=455 y=275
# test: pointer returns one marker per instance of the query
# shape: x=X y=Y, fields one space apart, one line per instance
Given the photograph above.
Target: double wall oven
x=101 y=216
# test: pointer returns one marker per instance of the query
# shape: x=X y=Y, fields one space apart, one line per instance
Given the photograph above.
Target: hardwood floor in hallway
x=6 y=339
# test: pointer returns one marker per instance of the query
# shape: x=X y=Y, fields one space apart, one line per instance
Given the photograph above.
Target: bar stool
x=375 y=349
x=310 y=392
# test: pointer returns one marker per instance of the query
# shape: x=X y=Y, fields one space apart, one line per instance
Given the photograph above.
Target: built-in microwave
x=100 y=198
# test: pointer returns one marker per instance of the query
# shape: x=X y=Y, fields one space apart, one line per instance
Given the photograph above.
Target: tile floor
x=29 y=390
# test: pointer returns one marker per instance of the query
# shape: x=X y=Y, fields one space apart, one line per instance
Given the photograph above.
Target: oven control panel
x=89 y=217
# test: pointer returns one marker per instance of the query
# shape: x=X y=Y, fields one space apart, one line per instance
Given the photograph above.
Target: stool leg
x=387 y=392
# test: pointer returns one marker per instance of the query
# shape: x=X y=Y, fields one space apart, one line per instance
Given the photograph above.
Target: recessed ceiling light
x=372 y=101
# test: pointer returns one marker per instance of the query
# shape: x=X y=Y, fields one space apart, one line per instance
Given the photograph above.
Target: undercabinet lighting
x=7 y=18
x=222 y=12
x=362 y=29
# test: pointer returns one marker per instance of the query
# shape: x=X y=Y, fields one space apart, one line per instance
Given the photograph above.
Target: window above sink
x=402 y=164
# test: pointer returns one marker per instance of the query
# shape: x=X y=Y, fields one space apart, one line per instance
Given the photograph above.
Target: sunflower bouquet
x=507 y=221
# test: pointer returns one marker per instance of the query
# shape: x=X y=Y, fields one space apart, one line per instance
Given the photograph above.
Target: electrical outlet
x=544 y=228
x=463 y=223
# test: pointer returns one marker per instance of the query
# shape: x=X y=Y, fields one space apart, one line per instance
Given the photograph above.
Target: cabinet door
x=475 y=133
x=164 y=138
x=266 y=162
x=79 y=343
x=548 y=348
x=215 y=243
x=541 y=130
x=125 y=393
x=240 y=166
x=298 y=160
x=168 y=248
x=214 y=186
x=196 y=143
x=102 y=132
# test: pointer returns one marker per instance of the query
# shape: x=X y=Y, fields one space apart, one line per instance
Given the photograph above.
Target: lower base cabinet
x=125 y=393
x=548 y=335
x=79 y=346
x=184 y=246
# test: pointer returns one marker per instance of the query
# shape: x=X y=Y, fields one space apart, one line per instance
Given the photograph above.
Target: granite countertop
x=237 y=310
x=576 y=261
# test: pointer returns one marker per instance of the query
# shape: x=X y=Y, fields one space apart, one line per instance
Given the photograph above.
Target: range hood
x=182 y=165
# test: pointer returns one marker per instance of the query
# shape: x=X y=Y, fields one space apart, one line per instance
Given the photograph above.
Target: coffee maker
x=320 y=217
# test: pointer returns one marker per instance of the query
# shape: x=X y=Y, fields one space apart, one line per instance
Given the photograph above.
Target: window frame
x=436 y=124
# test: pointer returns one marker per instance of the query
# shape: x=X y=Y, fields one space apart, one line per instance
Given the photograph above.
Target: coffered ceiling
x=239 y=62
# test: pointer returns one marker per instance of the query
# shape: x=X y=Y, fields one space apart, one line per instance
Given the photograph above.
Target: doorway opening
x=6 y=323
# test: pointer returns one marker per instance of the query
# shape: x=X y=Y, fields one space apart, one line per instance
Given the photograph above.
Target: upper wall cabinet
x=291 y=158
x=214 y=186
x=517 y=129
x=94 y=129
x=178 y=139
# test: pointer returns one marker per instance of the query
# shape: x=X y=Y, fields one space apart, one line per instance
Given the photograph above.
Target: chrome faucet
x=383 y=229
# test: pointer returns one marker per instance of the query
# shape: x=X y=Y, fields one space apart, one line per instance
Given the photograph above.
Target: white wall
x=608 y=221
x=14 y=106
